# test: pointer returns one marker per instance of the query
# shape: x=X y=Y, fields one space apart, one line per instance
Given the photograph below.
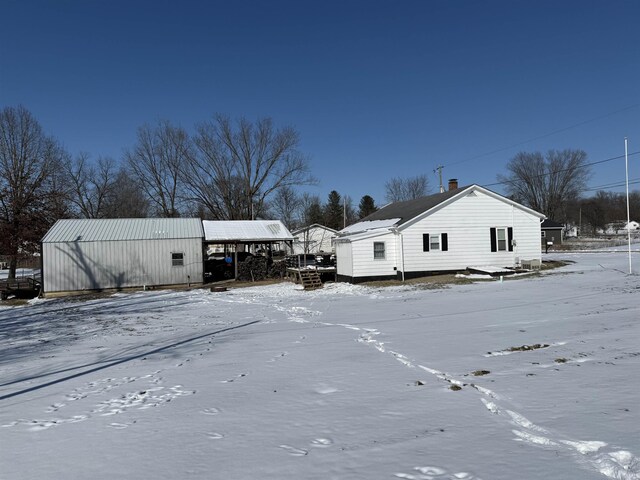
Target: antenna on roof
x=439 y=169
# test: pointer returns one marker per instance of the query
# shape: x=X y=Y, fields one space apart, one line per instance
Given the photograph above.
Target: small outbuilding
x=315 y=238
x=102 y=254
x=449 y=231
x=551 y=233
x=232 y=237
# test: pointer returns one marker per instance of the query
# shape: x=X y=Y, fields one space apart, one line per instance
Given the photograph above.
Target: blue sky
x=376 y=89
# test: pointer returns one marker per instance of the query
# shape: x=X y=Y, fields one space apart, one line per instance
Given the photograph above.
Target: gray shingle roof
x=409 y=209
x=551 y=224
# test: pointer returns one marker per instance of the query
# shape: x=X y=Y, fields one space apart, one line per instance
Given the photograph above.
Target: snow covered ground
x=347 y=382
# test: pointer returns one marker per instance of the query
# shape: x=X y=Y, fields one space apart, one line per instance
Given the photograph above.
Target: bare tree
x=156 y=161
x=402 y=189
x=28 y=161
x=547 y=183
x=311 y=210
x=92 y=186
x=285 y=205
x=126 y=199
x=238 y=166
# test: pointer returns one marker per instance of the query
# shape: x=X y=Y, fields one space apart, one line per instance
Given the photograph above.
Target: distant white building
x=619 y=228
x=315 y=238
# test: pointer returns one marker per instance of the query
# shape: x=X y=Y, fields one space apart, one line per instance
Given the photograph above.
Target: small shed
x=551 y=231
x=315 y=238
x=101 y=254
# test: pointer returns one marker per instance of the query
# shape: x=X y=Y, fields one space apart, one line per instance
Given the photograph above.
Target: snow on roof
x=113 y=229
x=313 y=226
x=245 y=231
x=369 y=225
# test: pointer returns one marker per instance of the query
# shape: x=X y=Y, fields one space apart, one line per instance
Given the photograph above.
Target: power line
x=555 y=132
x=505 y=182
x=622 y=183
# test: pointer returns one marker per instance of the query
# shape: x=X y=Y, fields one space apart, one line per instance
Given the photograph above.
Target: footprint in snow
x=325 y=390
x=433 y=473
x=211 y=411
x=296 y=452
x=321 y=442
x=55 y=407
x=234 y=379
x=277 y=357
x=118 y=426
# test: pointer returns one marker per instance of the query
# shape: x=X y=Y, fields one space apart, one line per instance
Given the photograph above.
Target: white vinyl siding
x=362 y=262
x=313 y=240
x=467 y=222
x=344 y=253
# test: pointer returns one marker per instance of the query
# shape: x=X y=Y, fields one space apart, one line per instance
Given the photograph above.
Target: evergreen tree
x=334 y=211
x=367 y=207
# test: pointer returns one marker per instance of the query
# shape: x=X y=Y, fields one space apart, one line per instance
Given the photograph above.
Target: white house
x=99 y=254
x=315 y=238
x=450 y=231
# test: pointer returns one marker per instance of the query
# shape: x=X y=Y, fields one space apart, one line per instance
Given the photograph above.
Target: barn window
x=501 y=239
x=378 y=250
x=177 y=259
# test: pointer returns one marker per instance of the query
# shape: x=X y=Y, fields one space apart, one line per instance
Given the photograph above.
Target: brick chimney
x=453 y=183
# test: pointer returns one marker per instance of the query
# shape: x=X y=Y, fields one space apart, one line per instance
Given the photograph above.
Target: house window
x=544 y=234
x=177 y=259
x=435 y=241
x=378 y=250
x=501 y=239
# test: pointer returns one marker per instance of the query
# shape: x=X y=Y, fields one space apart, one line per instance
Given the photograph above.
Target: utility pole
x=344 y=213
x=626 y=172
x=439 y=169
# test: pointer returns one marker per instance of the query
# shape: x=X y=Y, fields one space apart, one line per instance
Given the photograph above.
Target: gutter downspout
x=397 y=232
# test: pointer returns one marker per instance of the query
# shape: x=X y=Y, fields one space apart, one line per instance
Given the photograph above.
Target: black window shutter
x=510 y=238
x=425 y=242
x=494 y=247
x=445 y=242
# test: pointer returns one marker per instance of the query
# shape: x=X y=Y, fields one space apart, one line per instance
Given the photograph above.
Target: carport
x=245 y=236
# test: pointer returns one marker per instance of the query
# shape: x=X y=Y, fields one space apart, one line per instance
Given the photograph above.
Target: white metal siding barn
x=98 y=254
